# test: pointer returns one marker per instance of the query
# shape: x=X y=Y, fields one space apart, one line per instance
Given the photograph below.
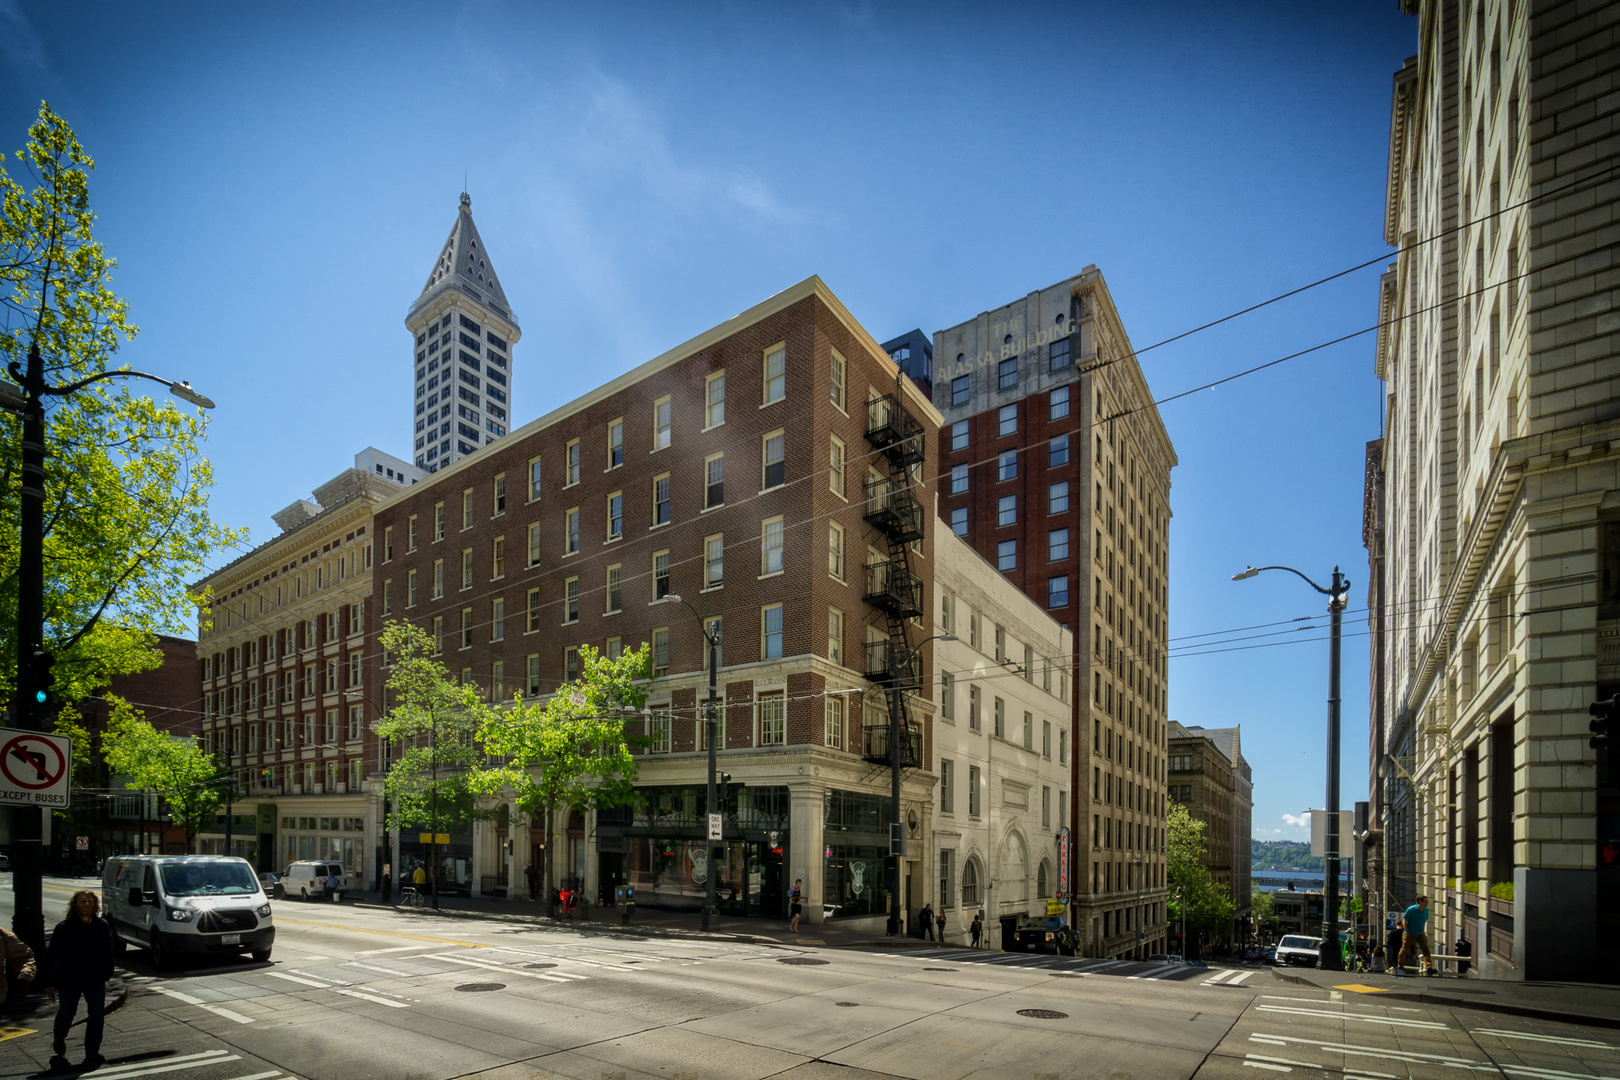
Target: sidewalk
x=649 y=922
x=1592 y=1004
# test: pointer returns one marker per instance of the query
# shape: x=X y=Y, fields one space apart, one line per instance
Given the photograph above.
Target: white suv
x=1298 y=950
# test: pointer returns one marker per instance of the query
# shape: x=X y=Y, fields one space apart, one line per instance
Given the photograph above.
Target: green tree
x=433 y=723
x=177 y=768
x=1207 y=903
x=126 y=490
x=572 y=750
x=1260 y=904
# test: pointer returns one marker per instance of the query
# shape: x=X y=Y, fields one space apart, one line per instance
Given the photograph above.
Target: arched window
x=1016 y=873
x=1043 y=881
x=970 y=883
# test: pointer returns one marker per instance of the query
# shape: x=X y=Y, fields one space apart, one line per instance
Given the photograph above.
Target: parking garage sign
x=35 y=769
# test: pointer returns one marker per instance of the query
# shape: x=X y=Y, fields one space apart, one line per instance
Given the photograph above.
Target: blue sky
x=276 y=181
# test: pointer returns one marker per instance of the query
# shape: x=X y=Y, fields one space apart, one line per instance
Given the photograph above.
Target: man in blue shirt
x=1416 y=937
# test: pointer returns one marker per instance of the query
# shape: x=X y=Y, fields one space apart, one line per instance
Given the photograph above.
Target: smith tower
x=464 y=332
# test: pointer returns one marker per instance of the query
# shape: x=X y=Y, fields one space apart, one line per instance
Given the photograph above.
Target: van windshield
x=208 y=879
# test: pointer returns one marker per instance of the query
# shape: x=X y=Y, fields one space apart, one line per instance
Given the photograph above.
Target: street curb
x=1428 y=997
x=601 y=927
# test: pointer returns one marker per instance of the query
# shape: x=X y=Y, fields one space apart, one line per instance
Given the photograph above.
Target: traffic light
x=1608 y=853
x=44 y=679
x=1605 y=713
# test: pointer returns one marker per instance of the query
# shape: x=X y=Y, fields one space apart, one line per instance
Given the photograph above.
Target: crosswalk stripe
x=557 y=977
x=217 y=1010
x=273 y=1074
x=218 y=1058
x=371 y=997
x=374 y=967
x=1215 y=979
x=1234 y=980
x=299 y=979
x=208 y=1057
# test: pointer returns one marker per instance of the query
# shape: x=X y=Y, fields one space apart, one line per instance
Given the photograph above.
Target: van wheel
x=160 y=956
x=303 y=894
x=261 y=955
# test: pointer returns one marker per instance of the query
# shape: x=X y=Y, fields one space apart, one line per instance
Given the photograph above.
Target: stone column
x=805 y=855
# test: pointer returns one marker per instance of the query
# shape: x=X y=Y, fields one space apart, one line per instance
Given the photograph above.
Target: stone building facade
x=1210 y=777
x=1501 y=488
x=1056 y=468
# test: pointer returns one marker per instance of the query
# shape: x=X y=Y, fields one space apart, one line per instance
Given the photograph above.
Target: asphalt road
x=354 y=993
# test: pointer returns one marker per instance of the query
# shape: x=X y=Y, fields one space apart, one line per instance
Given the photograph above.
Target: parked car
x=271 y=884
x=177 y=904
x=1271 y=954
x=5 y=861
x=1048 y=935
x=308 y=879
x=1299 y=951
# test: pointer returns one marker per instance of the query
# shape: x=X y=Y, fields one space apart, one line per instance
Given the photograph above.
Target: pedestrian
x=1378 y=959
x=1392 y=947
x=977 y=929
x=78 y=963
x=926 y=918
x=533 y=874
x=419 y=877
x=18 y=959
x=387 y=878
x=332 y=893
x=1415 y=922
x=940 y=921
x=795 y=904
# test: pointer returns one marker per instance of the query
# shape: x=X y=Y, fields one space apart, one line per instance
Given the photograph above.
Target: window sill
x=659 y=449
x=773 y=487
x=614 y=611
x=612 y=540
x=566 y=555
x=711 y=588
x=772 y=574
x=571 y=622
x=716 y=506
x=711 y=427
x=838 y=579
x=498 y=577
x=658 y=525
x=777 y=401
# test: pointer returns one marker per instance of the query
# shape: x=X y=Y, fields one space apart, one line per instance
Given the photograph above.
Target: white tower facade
x=463 y=332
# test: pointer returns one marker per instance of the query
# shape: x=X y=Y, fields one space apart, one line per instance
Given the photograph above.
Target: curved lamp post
x=1338 y=597
x=385 y=887
x=33 y=663
x=712 y=638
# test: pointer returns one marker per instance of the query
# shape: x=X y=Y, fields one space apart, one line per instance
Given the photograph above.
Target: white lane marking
x=273 y=1074
x=556 y=957
x=372 y=997
x=1368 y=1072
x=1334 y=995
x=323 y=978
x=1323 y=1001
x=374 y=967
x=396 y=948
x=308 y=959
x=1266 y=1040
x=201 y=1004
x=1544 y=1038
x=136 y=1069
x=1282 y=1061
x=1268 y=1066
x=1409 y=1057
x=558 y=977
x=1429 y=1025
x=167 y=1068
x=296 y=979
x=1215 y=979
x=1239 y=977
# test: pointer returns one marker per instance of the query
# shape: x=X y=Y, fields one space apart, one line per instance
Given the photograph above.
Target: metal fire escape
x=893 y=509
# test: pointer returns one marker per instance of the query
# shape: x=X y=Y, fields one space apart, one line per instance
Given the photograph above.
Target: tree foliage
x=126 y=491
x=434 y=721
x=1261 y=905
x=571 y=750
x=1206 y=902
x=182 y=772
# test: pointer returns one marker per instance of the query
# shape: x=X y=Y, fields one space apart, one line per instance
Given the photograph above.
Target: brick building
x=1056 y=468
x=1202 y=776
x=773 y=473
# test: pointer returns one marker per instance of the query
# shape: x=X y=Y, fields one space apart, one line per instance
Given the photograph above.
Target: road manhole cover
x=849 y=1004
x=480 y=988
x=801 y=961
x=539 y=965
x=1043 y=1014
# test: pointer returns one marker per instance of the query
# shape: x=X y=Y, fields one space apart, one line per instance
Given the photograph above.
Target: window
x=1057 y=498
x=835 y=635
x=410 y=534
x=571 y=463
x=466 y=628
x=438 y=579
x=534 y=479
x=466 y=509
x=533 y=622
x=773 y=718
x=615 y=515
x=1057 y=545
x=571 y=600
x=714 y=562
x=534 y=544
x=1007 y=466
x=1000 y=718
x=660 y=651
x=1058 y=356
x=835 y=466
x=1058 y=403
x=615 y=588
x=837 y=370
x=438 y=634
x=834 y=722
x=1057 y=452
x=499 y=506
x=714 y=397
x=658 y=733
x=714 y=481
x=959 y=479
x=438 y=521
x=571 y=531
x=959 y=391
x=1046 y=738
x=947 y=882
x=947 y=696
x=387 y=599
x=959 y=435
x=497 y=619
x=466 y=568
x=947 y=797
x=973 y=811
x=662 y=423
x=660 y=493
x=660 y=564
x=388 y=543
x=774 y=460
x=497 y=680
x=497 y=558
x=775 y=373
x=570 y=663
x=959 y=521
x=532 y=674
x=1006 y=555
x=615 y=443
x=835 y=551
x=410 y=588
x=770 y=546
x=1007 y=374
x=974 y=701
x=1007 y=510
x=771 y=632
x=1007 y=420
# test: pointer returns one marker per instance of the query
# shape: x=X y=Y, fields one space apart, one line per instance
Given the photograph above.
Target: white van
x=308 y=879
x=172 y=905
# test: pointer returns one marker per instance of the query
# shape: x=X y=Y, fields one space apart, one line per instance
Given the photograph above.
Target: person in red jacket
x=78 y=963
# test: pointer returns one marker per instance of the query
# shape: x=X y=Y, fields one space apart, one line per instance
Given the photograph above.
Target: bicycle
x=409 y=896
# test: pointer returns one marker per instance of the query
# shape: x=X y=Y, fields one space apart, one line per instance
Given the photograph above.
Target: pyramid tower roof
x=465 y=262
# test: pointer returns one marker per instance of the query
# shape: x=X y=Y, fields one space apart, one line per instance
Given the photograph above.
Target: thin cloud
x=1299 y=822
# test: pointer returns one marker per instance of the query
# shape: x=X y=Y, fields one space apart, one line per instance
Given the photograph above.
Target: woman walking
x=78 y=963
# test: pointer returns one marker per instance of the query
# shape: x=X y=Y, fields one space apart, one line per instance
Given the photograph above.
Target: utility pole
x=711 y=635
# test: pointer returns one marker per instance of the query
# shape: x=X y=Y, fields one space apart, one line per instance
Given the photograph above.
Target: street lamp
x=385 y=890
x=28 y=398
x=1338 y=598
x=712 y=637
x=898 y=662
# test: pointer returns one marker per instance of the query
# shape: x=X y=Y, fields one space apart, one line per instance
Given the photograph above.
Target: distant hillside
x=1282 y=855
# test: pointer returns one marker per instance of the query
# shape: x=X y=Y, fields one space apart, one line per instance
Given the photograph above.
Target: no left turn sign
x=35 y=768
